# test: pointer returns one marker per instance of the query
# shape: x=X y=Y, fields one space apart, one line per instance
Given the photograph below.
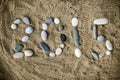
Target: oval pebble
x=74 y=22
x=109 y=45
x=77 y=52
x=58 y=51
x=101 y=55
x=101 y=21
x=56 y=20
x=63 y=38
x=18 y=48
x=95 y=55
x=17 y=21
x=108 y=52
x=49 y=20
x=100 y=38
x=52 y=54
x=18 y=55
x=44 y=26
x=44 y=35
x=62 y=45
x=95 y=32
x=44 y=46
x=13 y=26
x=29 y=30
x=28 y=53
x=26 y=20
x=61 y=27
x=25 y=38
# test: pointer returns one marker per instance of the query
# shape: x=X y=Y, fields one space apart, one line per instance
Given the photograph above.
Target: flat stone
x=18 y=55
x=61 y=27
x=44 y=35
x=28 y=53
x=44 y=26
x=100 y=38
x=25 y=38
x=57 y=21
x=101 y=55
x=18 y=48
x=109 y=45
x=95 y=32
x=101 y=21
x=17 y=21
x=78 y=52
x=26 y=20
x=13 y=26
x=74 y=22
x=52 y=54
x=58 y=51
x=62 y=45
x=63 y=38
x=44 y=46
x=49 y=20
x=108 y=52
x=95 y=55
x=29 y=30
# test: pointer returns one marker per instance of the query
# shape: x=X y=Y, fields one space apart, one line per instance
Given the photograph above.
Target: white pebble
x=26 y=20
x=77 y=52
x=29 y=30
x=44 y=26
x=101 y=21
x=28 y=53
x=13 y=26
x=44 y=35
x=56 y=20
x=62 y=45
x=108 y=52
x=101 y=55
x=58 y=51
x=95 y=55
x=109 y=45
x=74 y=22
x=17 y=21
x=25 y=38
x=18 y=55
x=52 y=54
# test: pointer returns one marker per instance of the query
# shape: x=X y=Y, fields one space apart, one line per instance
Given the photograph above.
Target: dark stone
x=63 y=38
x=18 y=47
x=44 y=46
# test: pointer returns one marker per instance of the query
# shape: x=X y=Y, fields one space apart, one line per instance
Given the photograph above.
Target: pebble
x=44 y=46
x=25 y=38
x=17 y=21
x=26 y=20
x=100 y=38
x=95 y=33
x=18 y=48
x=49 y=20
x=52 y=54
x=101 y=55
x=58 y=51
x=109 y=45
x=74 y=22
x=44 y=35
x=101 y=21
x=28 y=53
x=44 y=26
x=56 y=20
x=62 y=45
x=76 y=37
x=61 y=27
x=18 y=55
x=77 y=52
x=13 y=26
x=29 y=30
x=108 y=52
x=63 y=38
x=95 y=55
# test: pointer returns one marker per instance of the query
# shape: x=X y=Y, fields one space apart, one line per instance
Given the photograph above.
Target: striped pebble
x=74 y=22
x=77 y=52
x=101 y=21
x=44 y=35
x=18 y=55
x=109 y=45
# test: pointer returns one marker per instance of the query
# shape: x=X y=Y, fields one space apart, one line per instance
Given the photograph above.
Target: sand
x=65 y=66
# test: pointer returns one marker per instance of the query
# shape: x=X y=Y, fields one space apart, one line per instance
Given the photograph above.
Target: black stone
x=63 y=38
x=44 y=46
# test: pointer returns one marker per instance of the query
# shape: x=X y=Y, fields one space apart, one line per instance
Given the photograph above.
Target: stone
x=18 y=55
x=52 y=54
x=95 y=33
x=101 y=55
x=62 y=45
x=44 y=47
x=44 y=35
x=108 y=52
x=49 y=20
x=95 y=55
x=29 y=30
x=63 y=38
x=25 y=38
x=100 y=21
x=109 y=45
x=58 y=51
x=13 y=26
x=17 y=21
x=78 y=52
x=44 y=26
x=57 y=21
x=74 y=22
x=26 y=20
x=100 y=38
x=61 y=27
x=18 y=47
x=28 y=53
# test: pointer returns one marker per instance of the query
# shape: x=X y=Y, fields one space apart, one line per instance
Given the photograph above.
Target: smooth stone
x=13 y=26
x=18 y=55
x=62 y=45
x=25 y=38
x=44 y=26
x=95 y=55
x=44 y=35
x=76 y=37
x=18 y=48
x=108 y=52
x=17 y=21
x=56 y=20
x=95 y=33
x=78 y=52
x=101 y=55
x=49 y=20
x=101 y=21
x=58 y=51
x=100 y=38
x=44 y=46
x=52 y=54
x=63 y=38
x=29 y=30
x=61 y=27
x=74 y=22
x=26 y=20
x=109 y=45
x=28 y=53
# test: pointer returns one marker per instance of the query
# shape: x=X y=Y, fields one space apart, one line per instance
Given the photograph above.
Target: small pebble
x=18 y=48
x=101 y=55
x=29 y=30
x=44 y=46
x=61 y=27
x=28 y=53
x=95 y=55
x=26 y=20
x=78 y=52
x=44 y=35
x=44 y=26
x=108 y=52
x=18 y=55
x=100 y=38
x=17 y=21
x=49 y=20
x=63 y=38
x=58 y=51
x=101 y=21
x=62 y=45
x=13 y=26
x=25 y=38
x=95 y=33
x=52 y=54
x=74 y=22
x=56 y=20
x=109 y=45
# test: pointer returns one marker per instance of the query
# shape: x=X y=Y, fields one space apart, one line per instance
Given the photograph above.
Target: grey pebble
x=18 y=47
x=95 y=33
x=61 y=27
x=49 y=20
x=44 y=46
x=100 y=38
